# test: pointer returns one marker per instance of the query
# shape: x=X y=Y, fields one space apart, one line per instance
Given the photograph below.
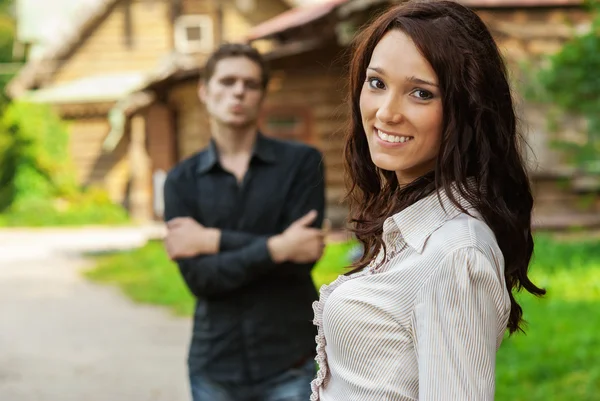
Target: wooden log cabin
x=94 y=74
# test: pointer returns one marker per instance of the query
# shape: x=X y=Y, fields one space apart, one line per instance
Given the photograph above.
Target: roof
x=521 y=3
x=37 y=21
x=299 y=16
x=91 y=89
x=293 y=18
x=65 y=40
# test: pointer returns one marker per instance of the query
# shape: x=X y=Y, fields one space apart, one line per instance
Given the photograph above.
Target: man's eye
x=253 y=85
x=228 y=81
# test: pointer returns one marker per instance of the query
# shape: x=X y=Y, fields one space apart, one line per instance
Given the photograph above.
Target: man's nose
x=239 y=88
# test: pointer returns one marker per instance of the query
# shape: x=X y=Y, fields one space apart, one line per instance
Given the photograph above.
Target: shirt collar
x=262 y=151
x=417 y=222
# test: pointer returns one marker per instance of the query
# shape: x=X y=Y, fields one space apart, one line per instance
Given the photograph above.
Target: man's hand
x=299 y=243
x=187 y=238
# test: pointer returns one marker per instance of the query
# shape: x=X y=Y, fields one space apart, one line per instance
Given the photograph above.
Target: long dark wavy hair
x=480 y=140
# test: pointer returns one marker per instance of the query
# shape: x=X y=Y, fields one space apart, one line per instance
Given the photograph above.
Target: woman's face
x=401 y=108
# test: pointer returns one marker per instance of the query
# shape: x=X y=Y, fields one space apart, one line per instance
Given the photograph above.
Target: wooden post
x=161 y=141
x=141 y=180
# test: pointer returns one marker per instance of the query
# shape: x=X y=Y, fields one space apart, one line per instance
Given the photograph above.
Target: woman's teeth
x=392 y=138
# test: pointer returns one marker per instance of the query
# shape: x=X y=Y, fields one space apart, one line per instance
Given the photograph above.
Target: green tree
x=8 y=142
x=33 y=150
x=7 y=38
x=572 y=81
x=37 y=182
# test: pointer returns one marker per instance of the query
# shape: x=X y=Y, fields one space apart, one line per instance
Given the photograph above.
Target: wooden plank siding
x=107 y=50
x=93 y=166
x=190 y=7
x=193 y=131
x=317 y=80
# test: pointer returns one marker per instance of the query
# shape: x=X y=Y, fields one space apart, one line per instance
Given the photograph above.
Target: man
x=243 y=219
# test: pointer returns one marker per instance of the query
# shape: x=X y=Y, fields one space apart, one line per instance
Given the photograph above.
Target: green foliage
x=572 y=82
x=7 y=39
x=37 y=183
x=556 y=360
x=91 y=206
x=34 y=143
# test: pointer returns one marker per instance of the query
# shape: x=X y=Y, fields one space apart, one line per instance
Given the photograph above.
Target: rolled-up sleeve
x=460 y=316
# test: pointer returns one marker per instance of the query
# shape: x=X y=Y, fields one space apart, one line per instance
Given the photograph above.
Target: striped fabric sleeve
x=456 y=322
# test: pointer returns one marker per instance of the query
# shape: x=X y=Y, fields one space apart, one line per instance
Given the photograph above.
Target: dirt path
x=63 y=338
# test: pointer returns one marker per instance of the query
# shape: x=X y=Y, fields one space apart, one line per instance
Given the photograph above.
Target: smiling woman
x=441 y=203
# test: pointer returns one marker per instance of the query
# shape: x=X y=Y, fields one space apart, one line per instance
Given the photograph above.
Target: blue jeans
x=291 y=385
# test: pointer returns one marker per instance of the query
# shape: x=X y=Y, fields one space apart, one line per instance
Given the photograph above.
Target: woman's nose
x=390 y=111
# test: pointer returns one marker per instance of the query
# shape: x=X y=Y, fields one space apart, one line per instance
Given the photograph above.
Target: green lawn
x=558 y=359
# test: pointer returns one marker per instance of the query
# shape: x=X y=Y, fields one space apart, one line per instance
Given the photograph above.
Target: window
x=193 y=33
x=287 y=123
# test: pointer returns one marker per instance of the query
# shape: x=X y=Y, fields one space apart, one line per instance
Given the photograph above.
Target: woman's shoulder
x=464 y=232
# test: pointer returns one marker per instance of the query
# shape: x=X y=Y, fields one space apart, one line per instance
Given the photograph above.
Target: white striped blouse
x=425 y=325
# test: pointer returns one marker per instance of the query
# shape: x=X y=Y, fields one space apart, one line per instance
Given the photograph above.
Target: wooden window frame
x=304 y=113
x=204 y=44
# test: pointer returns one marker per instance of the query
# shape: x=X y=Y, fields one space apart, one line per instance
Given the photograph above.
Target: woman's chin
x=384 y=163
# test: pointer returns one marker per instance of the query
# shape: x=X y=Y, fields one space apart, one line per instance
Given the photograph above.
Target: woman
x=441 y=203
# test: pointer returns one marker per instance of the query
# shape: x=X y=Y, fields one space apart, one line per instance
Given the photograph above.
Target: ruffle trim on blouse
x=318 y=306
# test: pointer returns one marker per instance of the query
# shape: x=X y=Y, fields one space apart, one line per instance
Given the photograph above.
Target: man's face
x=233 y=95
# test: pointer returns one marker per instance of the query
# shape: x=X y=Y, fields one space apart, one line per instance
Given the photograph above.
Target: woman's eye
x=376 y=83
x=422 y=94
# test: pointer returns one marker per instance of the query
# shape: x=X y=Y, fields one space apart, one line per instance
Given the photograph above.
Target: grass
x=557 y=359
x=51 y=213
x=146 y=275
x=559 y=356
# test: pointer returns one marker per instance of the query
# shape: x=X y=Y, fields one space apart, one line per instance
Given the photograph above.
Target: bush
x=571 y=82
x=37 y=182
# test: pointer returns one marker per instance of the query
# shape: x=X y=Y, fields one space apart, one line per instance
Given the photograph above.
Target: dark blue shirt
x=253 y=317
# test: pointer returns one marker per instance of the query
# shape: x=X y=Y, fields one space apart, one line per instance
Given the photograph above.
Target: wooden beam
x=141 y=181
x=127 y=24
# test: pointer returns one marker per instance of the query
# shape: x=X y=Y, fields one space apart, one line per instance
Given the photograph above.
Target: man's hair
x=230 y=50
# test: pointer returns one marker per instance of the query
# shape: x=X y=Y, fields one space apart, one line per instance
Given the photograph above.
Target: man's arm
x=208 y=275
x=233 y=239
x=307 y=193
x=308 y=190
